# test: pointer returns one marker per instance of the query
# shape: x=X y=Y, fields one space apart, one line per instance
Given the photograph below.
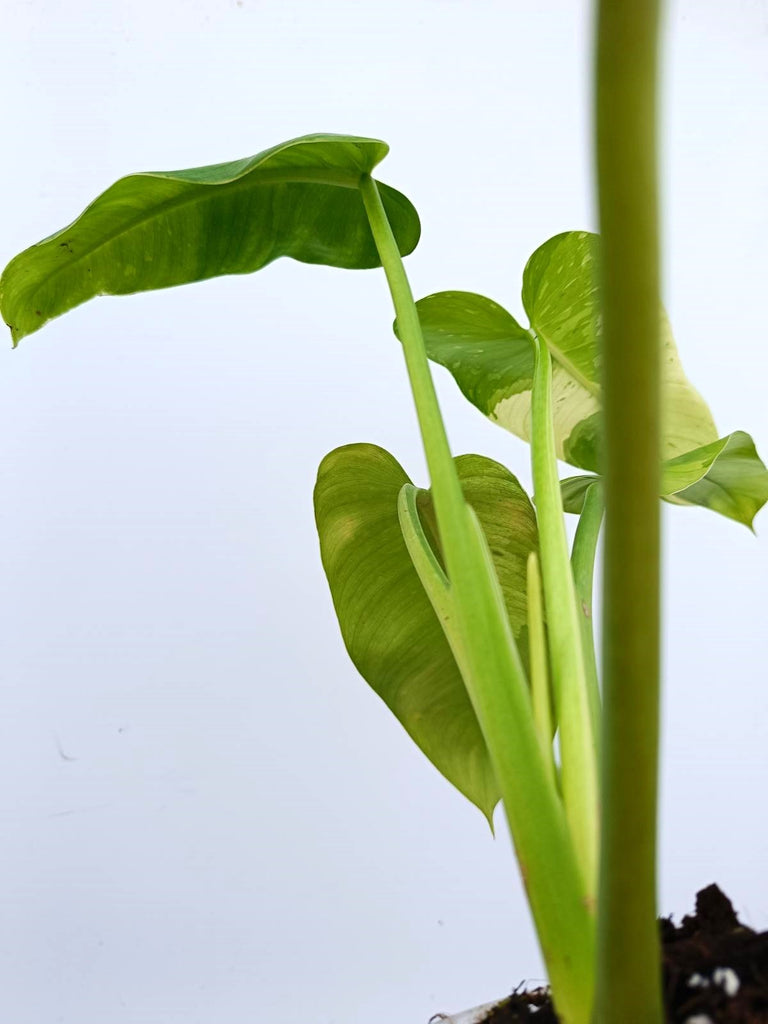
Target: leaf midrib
x=560 y=358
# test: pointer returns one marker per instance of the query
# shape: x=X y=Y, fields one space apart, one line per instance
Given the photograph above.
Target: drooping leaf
x=490 y=355
x=389 y=626
x=155 y=230
x=727 y=476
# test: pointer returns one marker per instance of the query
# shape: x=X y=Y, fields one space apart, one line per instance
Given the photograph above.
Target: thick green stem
x=583 y=563
x=537 y=646
x=628 y=968
x=474 y=618
x=446 y=489
x=577 y=745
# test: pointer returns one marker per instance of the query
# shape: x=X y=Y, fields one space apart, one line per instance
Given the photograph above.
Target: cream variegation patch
x=571 y=405
x=514 y=414
x=686 y=420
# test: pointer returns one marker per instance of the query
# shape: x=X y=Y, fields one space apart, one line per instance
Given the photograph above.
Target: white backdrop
x=206 y=815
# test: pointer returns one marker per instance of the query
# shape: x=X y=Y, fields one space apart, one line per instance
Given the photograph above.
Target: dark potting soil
x=715 y=971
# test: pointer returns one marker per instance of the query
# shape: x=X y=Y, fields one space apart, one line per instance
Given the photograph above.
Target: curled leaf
x=727 y=476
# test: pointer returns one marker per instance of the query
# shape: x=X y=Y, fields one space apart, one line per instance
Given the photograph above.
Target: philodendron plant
x=460 y=603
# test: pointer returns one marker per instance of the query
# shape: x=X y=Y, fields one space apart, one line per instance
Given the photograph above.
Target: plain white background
x=206 y=816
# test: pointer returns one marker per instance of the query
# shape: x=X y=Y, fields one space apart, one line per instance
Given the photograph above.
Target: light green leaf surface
x=155 y=230
x=490 y=355
x=727 y=476
x=388 y=624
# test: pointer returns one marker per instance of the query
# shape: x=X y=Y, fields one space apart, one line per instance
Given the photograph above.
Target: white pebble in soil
x=698 y=981
x=700 y=1018
x=727 y=979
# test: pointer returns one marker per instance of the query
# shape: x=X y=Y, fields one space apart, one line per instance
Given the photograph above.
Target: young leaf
x=388 y=624
x=299 y=199
x=574 y=492
x=490 y=356
x=561 y=298
x=726 y=476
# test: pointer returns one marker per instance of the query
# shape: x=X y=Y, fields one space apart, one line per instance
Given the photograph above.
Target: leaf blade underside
x=161 y=229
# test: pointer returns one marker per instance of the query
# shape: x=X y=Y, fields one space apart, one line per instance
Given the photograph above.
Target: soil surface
x=715 y=972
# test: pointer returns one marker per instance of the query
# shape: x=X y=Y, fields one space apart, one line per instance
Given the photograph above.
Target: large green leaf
x=491 y=355
x=491 y=358
x=154 y=230
x=388 y=624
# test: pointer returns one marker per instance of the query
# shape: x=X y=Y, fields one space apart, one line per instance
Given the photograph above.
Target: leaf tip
x=16 y=335
x=487 y=813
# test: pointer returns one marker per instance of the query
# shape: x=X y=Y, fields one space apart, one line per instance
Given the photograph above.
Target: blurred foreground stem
x=628 y=962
